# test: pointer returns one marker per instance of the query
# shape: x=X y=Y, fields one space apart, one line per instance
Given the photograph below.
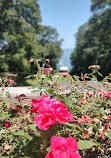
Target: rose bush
x=73 y=119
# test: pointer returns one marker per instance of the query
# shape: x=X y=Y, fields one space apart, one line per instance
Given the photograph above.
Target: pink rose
x=66 y=74
x=48 y=70
x=47 y=60
x=7 y=124
x=50 y=111
x=103 y=133
x=31 y=60
x=104 y=94
x=91 y=94
x=84 y=119
x=63 y=148
x=11 y=81
x=45 y=118
x=61 y=113
x=51 y=69
x=37 y=103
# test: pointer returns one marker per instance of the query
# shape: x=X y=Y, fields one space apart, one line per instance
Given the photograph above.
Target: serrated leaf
x=85 y=144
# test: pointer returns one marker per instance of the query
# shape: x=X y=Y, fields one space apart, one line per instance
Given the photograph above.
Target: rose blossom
x=31 y=60
x=7 y=124
x=62 y=114
x=66 y=74
x=49 y=112
x=94 y=66
x=63 y=148
x=48 y=70
x=45 y=119
x=84 y=119
x=86 y=134
x=103 y=131
x=91 y=94
x=47 y=60
x=104 y=94
x=11 y=81
x=37 y=103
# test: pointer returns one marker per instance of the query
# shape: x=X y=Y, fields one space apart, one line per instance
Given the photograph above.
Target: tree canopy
x=93 y=40
x=22 y=36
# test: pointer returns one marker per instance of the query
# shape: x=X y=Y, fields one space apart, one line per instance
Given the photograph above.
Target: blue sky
x=66 y=16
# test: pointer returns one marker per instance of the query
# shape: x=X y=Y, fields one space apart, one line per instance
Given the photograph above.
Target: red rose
x=63 y=148
x=66 y=74
x=11 y=81
x=7 y=124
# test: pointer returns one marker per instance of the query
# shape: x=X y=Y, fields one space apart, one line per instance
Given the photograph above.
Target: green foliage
x=93 y=41
x=22 y=37
x=100 y=4
x=23 y=138
x=85 y=144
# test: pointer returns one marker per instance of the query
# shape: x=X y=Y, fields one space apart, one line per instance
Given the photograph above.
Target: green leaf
x=8 y=94
x=85 y=144
x=28 y=137
x=5 y=116
x=74 y=100
x=77 y=108
x=48 y=149
x=35 y=91
x=50 y=90
x=20 y=133
x=70 y=124
x=100 y=74
x=33 y=127
x=109 y=133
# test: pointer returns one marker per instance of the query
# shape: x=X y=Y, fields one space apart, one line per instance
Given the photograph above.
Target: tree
x=95 y=48
x=20 y=32
x=19 y=23
x=48 y=38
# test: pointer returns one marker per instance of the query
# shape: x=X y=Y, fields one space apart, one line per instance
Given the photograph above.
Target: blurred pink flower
x=11 y=81
x=51 y=69
x=104 y=94
x=86 y=134
x=63 y=148
x=47 y=60
x=66 y=74
x=31 y=60
x=48 y=70
x=94 y=66
x=91 y=94
x=109 y=117
x=103 y=131
x=7 y=124
x=84 y=119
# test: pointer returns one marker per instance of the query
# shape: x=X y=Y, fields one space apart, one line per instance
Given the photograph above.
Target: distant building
x=63 y=69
